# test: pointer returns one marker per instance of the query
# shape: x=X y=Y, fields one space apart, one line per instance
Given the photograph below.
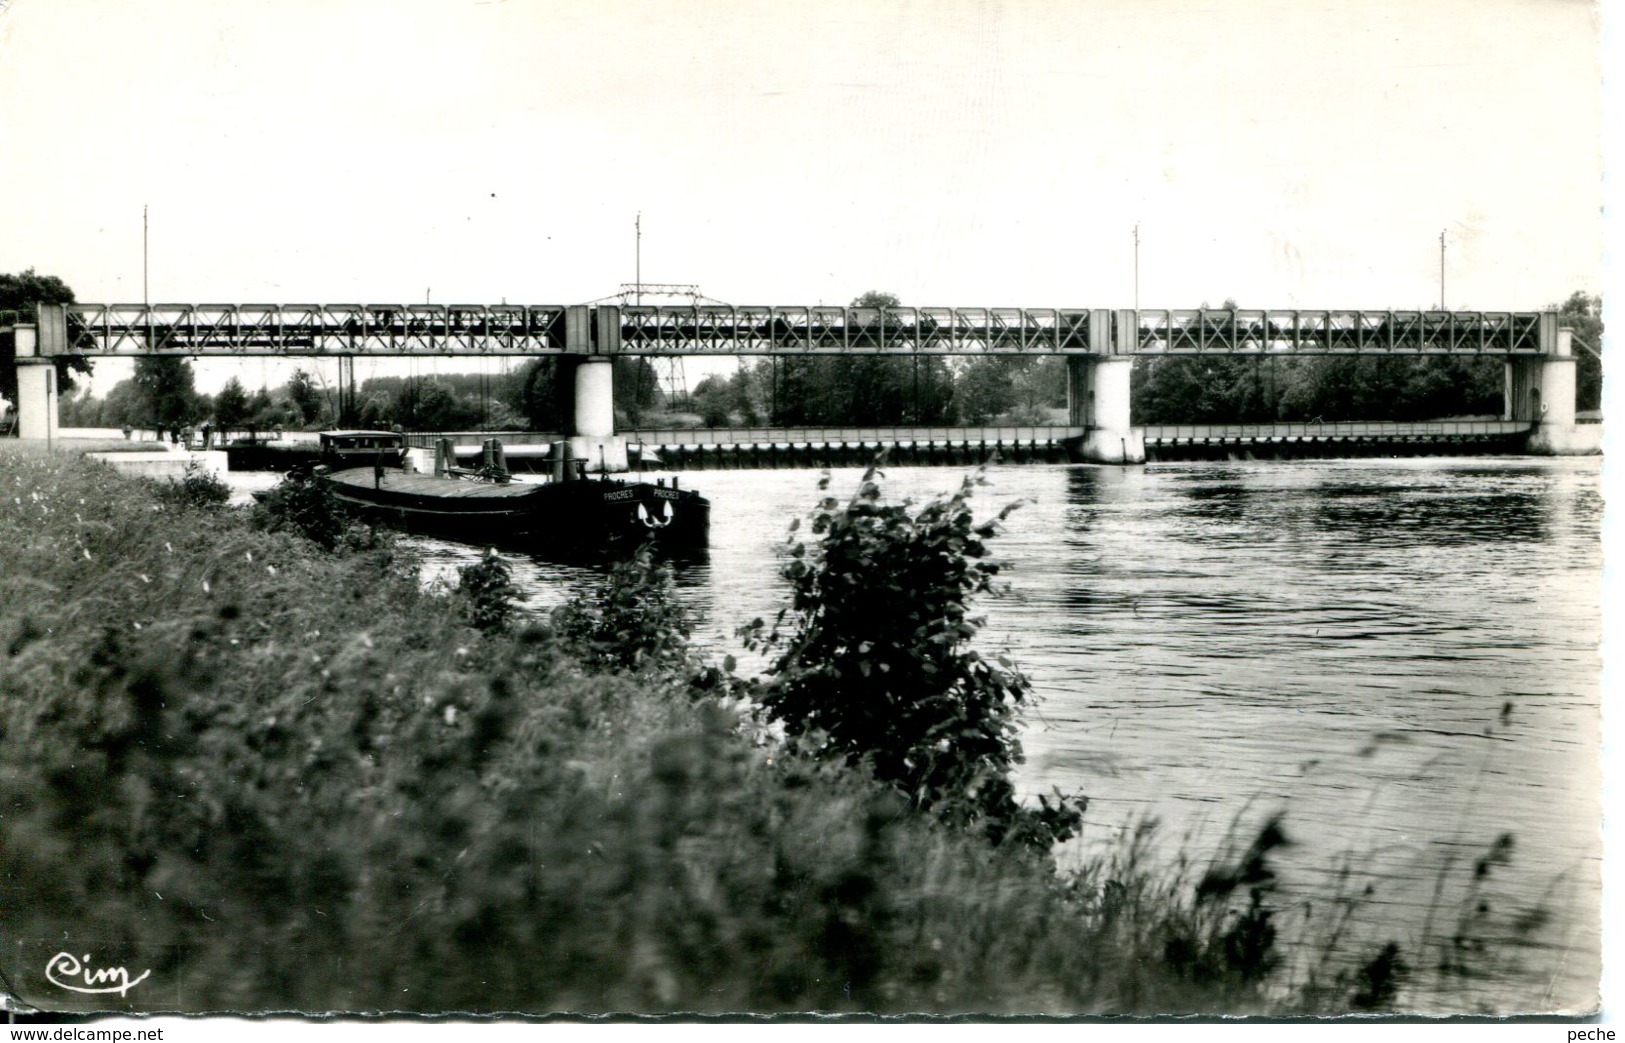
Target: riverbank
x=281 y=778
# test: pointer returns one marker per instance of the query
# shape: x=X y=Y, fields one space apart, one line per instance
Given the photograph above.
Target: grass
x=287 y=778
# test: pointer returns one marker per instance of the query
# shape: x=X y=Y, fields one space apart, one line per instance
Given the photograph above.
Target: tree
x=637 y=389
x=986 y=389
x=123 y=406
x=80 y=410
x=1040 y=385
x=166 y=394
x=259 y=403
x=428 y=405
x=711 y=399
x=540 y=396
x=1582 y=312
x=305 y=395
x=876 y=299
x=231 y=406
x=18 y=296
x=377 y=410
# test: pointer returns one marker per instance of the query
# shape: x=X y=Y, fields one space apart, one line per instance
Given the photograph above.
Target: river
x=1398 y=656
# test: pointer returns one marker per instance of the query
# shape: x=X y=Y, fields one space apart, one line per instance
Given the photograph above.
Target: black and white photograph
x=815 y=511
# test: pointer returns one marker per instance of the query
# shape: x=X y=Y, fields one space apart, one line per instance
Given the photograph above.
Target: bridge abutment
x=36 y=387
x=1542 y=391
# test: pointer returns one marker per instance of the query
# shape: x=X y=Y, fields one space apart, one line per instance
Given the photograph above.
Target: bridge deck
x=474 y=329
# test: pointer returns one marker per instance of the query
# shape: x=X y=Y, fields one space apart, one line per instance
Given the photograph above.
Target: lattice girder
x=704 y=329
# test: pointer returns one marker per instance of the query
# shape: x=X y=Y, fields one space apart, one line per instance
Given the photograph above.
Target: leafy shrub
x=631 y=620
x=488 y=592
x=874 y=663
x=197 y=489
x=301 y=505
x=306 y=507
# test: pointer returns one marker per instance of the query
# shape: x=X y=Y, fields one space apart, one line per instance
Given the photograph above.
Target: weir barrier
x=774 y=448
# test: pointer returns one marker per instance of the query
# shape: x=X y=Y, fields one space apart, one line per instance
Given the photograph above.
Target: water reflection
x=1427 y=517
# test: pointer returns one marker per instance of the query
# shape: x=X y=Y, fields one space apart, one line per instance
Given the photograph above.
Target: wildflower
x=206 y=589
x=144 y=577
x=249 y=555
x=168 y=547
x=87 y=552
x=271 y=569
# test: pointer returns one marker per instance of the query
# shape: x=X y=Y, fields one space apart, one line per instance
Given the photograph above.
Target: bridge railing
x=817 y=330
x=1163 y=433
x=1244 y=331
x=849 y=435
x=315 y=329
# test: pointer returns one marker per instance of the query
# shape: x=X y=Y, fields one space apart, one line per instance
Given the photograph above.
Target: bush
x=874 y=663
x=632 y=620
x=301 y=505
x=304 y=506
x=197 y=489
x=488 y=592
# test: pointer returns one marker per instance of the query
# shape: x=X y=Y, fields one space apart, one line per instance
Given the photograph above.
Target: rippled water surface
x=1399 y=655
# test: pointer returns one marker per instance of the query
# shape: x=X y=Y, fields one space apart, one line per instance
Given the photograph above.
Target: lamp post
x=1441 y=270
x=1136 y=266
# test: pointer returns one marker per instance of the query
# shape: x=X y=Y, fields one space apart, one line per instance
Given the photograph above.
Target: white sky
x=1287 y=153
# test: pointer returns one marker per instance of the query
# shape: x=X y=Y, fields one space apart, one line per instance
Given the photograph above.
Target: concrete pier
x=1098 y=401
x=593 y=437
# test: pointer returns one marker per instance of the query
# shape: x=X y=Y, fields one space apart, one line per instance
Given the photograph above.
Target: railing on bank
x=1000 y=435
x=849 y=435
x=1161 y=433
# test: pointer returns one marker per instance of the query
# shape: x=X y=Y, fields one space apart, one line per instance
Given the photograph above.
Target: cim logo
x=66 y=971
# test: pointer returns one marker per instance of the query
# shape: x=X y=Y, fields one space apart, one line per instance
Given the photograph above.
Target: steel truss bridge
x=711 y=329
